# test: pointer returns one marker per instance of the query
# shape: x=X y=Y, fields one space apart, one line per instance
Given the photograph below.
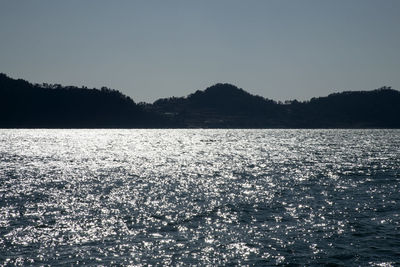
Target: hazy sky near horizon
x=149 y=49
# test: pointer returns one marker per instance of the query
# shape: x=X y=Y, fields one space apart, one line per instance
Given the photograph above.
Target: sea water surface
x=199 y=197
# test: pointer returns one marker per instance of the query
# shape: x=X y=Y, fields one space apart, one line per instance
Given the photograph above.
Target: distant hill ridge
x=27 y=105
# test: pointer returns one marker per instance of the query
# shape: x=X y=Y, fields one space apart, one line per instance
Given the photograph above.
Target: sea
x=199 y=197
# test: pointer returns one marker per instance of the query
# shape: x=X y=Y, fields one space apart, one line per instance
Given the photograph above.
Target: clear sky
x=147 y=49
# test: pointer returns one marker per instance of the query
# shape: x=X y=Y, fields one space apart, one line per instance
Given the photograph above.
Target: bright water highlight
x=198 y=197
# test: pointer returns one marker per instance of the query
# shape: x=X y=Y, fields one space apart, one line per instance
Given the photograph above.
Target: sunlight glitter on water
x=259 y=197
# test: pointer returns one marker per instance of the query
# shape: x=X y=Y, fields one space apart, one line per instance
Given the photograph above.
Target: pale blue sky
x=150 y=49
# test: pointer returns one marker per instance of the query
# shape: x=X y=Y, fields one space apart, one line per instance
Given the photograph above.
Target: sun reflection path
x=198 y=197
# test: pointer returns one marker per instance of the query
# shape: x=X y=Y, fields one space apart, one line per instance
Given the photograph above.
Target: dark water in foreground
x=216 y=197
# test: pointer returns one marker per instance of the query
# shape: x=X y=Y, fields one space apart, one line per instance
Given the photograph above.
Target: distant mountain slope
x=23 y=104
x=225 y=105
x=221 y=105
x=377 y=108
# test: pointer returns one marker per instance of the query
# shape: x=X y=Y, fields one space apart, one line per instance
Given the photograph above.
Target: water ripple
x=199 y=197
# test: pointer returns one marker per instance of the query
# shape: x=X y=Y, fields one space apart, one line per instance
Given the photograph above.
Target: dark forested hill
x=357 y=109
x=224 y=105
x=23 y=104
x=221 y=105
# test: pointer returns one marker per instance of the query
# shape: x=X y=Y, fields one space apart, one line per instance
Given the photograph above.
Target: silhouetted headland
x=26 y=105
